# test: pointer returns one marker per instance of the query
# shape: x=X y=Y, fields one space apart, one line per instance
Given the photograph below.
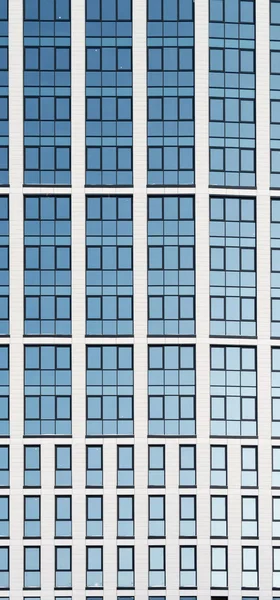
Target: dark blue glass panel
x=170 y=40
x=47 y=92
x=109 y=92
x=4 y=95
x=232 y=91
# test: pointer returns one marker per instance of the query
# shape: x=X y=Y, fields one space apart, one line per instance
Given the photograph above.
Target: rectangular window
x=4 y=95
x=275 y=275
x=94 y=516
x=109 y=390
x=109 y=265
x=156 y=466
x=276 y=467
x=276 y=517
x=4 y=389
x=187 y=466
x=47 y=390
x=63 y=567
x=274 y=94
x=47 y=265
x=170 y=73
x=276 y=568
x=219 y=517
x=188 y=567
x=32 y=567
x=125 y=567
x=63 y=516
x=219 y=567
x=4 y=245
x=4 y=517
x=249 y=514
x=187 y=516
x=157 y=575
x=218 y=466
x=232 y=94
x=109 y=121
x=249 y=466
x=250 y=567
x=275 y=392
x=171 y=265
x=63 y=466
x=156 y=514
x=94 y=466
x=4 y=568
x=233 y=391
x=233 y=272
x=32 y=517
x=94 y=567
x=171 y=390
x=125 y=466
x=125 y=517
x=32 y=466
x=47 y=93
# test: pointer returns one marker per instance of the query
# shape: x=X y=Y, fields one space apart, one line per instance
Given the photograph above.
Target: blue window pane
x=232 y=135
x=4 y=391
x=47 y=93
x=171 y=265
x=109 y=274
x=108 y=93
x=4 y=97
x=275 y=267
x=47 y=391
x=274 y=98
x=4 y=263
x=4 y=569
x=170 y=39
x=47 y=275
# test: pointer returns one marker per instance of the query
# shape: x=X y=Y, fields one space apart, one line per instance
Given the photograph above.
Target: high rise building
x=139 y=299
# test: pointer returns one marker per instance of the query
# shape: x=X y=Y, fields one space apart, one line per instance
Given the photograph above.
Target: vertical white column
x=78 y=298
x=263 y=287
x=140 y=294
x=202 y=296
x=16 y=295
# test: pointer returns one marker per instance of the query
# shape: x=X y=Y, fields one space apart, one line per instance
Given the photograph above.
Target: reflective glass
x=275 y=266
x=4 y=95
x=274 y=94
x=4 y=252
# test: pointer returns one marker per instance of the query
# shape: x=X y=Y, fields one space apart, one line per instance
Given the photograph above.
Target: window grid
x=4 y=391
x=109 y=265
x=170 y=83
x=233 y=293
x=274 y=95
x=4 y=247
x=4 y=95
x=233 y=391
x=171 y=265
x=47 y=265
x=275 y=269
x=232 y=93
x=47 y=93
x=109 y=390
x=109 y=93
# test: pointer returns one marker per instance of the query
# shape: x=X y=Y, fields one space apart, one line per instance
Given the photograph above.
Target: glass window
x=156 y=466
x=171 y=265
x=32 y=517
x=157 y=575
x=47 y=390
x=125 y=517
x=4 y=244
x=276 y=467
x=275 y=280
x=276 y=567
x=233 y=391
x=187 y=466
x=188 y=567
x=125 y=567
x=32 y=567
x=4 y=517
x=47 y=93
x=109 y=93
x=218 y=466
x=249 y=513
x=170 y=41
x=47 y=265
x=249 y=466
x=233 y=266
x=125 y=466
x=63 y=516
x=94 y=466
x=109 y=390
x=219 y=568
x=94 y=567
x=32 y=466
x=274 y=94
x=250 y=566
x=275 y=392
x=63 y=567
x=4 y=569
x=109 y=265
x=63 y=466
x=171 y=390
x=94 y=516
x=219 y=517
x=4 y=96
x=187 y=516
x=232 y=93
x=4 y=390
x=156 y=516
x=276 y=517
